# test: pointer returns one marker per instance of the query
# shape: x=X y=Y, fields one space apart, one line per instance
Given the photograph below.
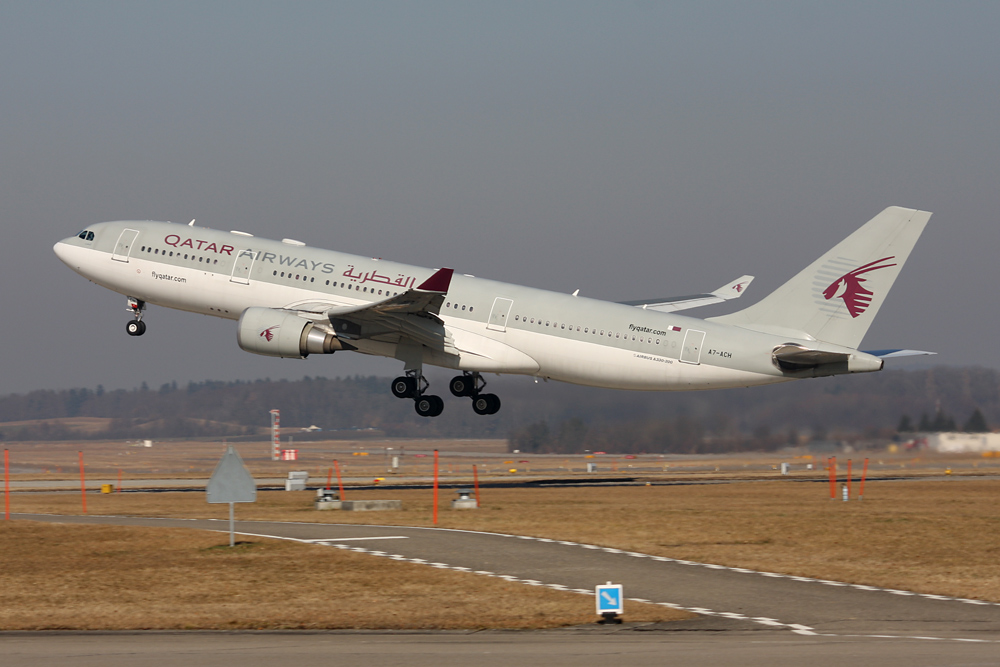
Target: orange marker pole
x=83 y=484
x=340 y=484
x=475 y=482
x=6 y=485
x=119 y=480
x=848 y=478
x=831 y=463
x=864 y=474
x=435 y=487
x=329 y=479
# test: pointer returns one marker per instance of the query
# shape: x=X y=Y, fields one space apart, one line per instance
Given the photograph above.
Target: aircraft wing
x=733 y=290
x=412 y=314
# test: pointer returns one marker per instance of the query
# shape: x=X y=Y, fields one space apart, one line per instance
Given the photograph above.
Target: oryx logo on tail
x=849 y=288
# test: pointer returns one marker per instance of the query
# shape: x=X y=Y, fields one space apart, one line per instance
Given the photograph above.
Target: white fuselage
x=495 y=327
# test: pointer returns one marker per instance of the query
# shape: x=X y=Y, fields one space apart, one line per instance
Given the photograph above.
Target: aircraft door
x=241 y=268
x=499 y=314
x=691 y=353
x=124 y=245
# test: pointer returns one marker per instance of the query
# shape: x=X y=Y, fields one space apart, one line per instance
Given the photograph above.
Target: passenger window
x=463 y=307
x=564 y=326
x=602 y=332
x=201 y=259
x=470 y=309
x=143 y=248
x=546 y=323
x=156 y=252
x=585 y=331
x=618 y=335
x=171 y=253
x=657 y=341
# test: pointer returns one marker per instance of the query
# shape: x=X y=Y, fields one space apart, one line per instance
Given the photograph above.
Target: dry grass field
x=928 y=536
x=112 y=577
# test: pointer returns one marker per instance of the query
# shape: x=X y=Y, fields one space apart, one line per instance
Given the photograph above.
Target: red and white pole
x=831 y=463
x=83 y=484
x=340 y=484
x=275 y=435
x=6 y=485
x=435 y=487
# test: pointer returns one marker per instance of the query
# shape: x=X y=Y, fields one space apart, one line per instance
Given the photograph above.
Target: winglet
x=439 y=282
x=733 y=290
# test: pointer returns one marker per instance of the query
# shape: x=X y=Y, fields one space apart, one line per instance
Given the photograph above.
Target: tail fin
x=836 y=297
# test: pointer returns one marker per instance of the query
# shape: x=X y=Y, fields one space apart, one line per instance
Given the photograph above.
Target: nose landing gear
x=471 y=384
x=136 y=327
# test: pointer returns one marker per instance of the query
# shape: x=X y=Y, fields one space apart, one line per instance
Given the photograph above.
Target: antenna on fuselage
x=191 y=224
x=576 y=293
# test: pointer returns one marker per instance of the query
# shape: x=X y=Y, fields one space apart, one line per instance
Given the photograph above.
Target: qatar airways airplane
x=292 y=300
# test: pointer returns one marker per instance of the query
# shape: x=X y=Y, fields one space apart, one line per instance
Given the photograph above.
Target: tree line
x=535 y=416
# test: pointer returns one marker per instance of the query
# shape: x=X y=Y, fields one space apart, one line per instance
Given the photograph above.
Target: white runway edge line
x=797 y=628
x=794 y=627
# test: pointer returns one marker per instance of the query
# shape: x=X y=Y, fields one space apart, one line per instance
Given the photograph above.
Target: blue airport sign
x=610 y=599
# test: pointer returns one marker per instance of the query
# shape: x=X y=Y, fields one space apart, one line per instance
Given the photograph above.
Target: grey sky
x=629 y=150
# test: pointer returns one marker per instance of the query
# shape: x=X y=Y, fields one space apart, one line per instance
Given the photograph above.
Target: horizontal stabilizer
x=794 y=358
x=892 y=354
x=733 y=290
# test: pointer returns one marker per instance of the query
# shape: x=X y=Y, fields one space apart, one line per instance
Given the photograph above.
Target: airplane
x=292 y=300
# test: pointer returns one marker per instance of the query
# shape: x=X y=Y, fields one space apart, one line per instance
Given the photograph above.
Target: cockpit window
x=85 y=235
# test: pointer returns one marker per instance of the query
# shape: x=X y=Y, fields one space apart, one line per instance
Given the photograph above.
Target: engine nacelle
x=278 y=333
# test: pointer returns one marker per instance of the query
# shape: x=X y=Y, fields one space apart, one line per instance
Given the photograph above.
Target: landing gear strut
x=136 y=327
x=471 y=384
x=413 y=385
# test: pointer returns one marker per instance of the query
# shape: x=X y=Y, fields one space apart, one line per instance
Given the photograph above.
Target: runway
x=763 y=612
x=570 y=648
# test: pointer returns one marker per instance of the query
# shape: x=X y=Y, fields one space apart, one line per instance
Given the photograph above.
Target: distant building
x=959 y=443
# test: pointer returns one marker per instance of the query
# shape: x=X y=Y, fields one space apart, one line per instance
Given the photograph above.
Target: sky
x=627 y=149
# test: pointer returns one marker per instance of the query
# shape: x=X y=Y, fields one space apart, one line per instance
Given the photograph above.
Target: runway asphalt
x=742 y=612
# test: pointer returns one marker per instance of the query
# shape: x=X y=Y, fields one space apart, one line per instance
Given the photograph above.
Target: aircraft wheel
x=404 y=387
x=462 y=385
x=428 y=406
x=485 y=404
x=136 y=328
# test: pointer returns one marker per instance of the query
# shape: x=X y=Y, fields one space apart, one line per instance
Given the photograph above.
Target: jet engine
x=280 y=333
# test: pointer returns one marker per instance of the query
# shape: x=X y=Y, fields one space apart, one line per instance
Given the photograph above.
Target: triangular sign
x=231 y=482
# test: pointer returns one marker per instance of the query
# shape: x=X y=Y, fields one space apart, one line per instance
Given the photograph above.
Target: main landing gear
x=414 y=385
x=471 y=385
x=136 y=327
